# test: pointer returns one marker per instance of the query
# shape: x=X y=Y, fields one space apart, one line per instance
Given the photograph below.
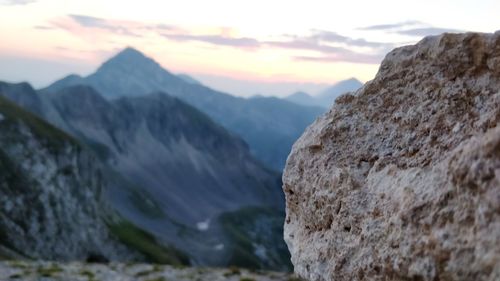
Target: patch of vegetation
x=49 y=271
x=161 y=278
x=89 y=274
x=101 y=150
x=232 y=270
x=145 y=243
x=145 y=203
x=256 y=225
x=158 y=268
x=54 y=138
x=16 y=276
x=143 y=273
x=246 y=279
x=18 y=264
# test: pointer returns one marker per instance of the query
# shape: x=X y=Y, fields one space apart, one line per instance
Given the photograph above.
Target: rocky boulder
x=401 y=180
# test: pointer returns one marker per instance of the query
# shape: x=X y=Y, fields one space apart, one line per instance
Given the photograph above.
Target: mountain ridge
x=327 y=97
x=131 y=73
x=165 y=156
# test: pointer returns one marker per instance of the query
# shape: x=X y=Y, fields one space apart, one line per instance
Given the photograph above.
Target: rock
x=401 y=180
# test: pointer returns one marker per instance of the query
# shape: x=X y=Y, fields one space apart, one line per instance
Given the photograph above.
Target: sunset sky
x=243 y=47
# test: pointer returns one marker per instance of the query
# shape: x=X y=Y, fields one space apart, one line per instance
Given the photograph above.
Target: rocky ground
x=78 y=271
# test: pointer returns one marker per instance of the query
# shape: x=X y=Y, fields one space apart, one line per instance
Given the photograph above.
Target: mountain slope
x=50 y=193
x=302 y=99
x=184 y=171
x=130 y=73
x=328 y=96
x=172 y=175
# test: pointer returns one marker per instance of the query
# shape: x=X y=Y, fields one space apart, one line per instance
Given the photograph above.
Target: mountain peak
x=300 y=94
x=352 y=80
x=130 y=52
x=129 y=57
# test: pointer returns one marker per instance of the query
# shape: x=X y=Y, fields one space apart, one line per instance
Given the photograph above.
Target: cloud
x=425 y=31
x=390 y=26
x=332 y=37
x=410 y=28
x=222 y=40
x=329 y=46
x=43 y=27
x=118 y=27
x=334 y=47
x=351 y=57
x=99 y=53
x=16 y=2
x=305 y=45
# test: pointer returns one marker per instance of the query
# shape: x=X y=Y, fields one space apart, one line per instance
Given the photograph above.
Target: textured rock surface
x=401 y=180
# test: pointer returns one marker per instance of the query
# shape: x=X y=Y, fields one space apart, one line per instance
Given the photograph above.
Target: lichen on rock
x=401 y=180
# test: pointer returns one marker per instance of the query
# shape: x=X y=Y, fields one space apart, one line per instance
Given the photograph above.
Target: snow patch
x=203 y=225
x=260 y=251
x=219 y=247
x=1 y=117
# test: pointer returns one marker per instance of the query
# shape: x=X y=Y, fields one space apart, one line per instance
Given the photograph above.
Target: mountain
x=130 y=73
x=23 y=95
x=50 y=193
x=177 y=176
x=328 y=96
x=302 y=99
x=188 y=79
x=171 y=149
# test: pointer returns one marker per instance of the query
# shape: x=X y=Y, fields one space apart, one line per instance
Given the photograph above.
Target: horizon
x=225 y=50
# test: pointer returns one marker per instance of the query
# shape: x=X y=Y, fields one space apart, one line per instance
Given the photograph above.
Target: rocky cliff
x=50 y=190
x=401 y=180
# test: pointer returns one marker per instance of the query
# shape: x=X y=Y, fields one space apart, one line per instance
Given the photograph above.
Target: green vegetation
x=256 y=225
x=232 y=270
x=246 y=279
x=54 y=138
x=161 y=278
x=146 y=244
x=18 y=264
x=89 y=274
x=143 y=273
x=100 y=150
x=49 y=271
x=145 y=203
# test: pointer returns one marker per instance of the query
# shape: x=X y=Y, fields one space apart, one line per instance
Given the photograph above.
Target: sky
x=242 y=47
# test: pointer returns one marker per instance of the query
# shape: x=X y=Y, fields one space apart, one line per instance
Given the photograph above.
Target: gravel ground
x=77 y=271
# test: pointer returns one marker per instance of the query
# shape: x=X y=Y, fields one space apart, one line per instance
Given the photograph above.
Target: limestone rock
x=401 y=180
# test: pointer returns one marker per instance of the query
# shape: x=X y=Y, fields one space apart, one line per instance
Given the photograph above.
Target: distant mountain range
x=181 y=173
x=328 y=96
x=176 y=174
x=269 y=125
